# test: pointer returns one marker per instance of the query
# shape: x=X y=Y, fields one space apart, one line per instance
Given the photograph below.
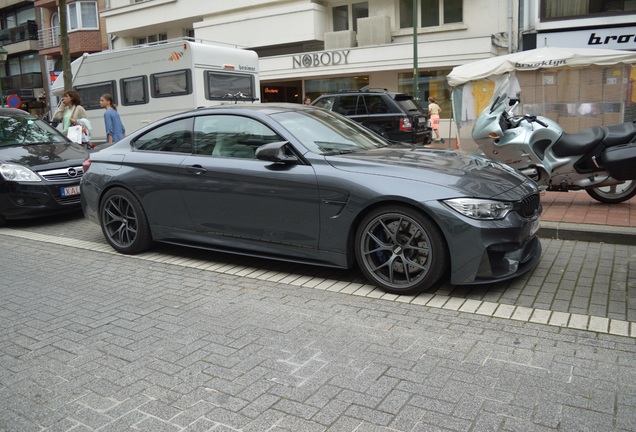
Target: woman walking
x=115 y=130
x=70 y=110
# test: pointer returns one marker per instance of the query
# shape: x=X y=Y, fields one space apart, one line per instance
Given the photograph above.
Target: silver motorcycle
x=599 y=160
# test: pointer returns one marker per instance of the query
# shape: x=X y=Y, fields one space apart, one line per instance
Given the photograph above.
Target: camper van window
x=173 y=137
x=91 y=93
x=220 y=85
x=134 y=90
x=174 y=83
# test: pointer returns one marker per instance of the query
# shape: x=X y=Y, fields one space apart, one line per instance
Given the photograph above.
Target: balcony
x=79 y=41
x=24 y=32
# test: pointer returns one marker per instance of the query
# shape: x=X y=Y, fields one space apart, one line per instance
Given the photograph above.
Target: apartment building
x=20 y=74
x=86 y=34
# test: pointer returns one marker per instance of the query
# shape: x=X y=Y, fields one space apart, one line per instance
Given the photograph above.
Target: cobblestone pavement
x=180 y=340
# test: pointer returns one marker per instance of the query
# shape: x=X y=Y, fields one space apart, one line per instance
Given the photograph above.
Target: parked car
x=297 y=183
x=40 y=169
x=395 y=116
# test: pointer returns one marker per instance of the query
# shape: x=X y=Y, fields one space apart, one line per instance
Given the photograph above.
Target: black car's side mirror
x=275 y=152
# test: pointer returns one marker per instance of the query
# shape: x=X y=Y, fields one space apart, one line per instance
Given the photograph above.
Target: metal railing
x=49 y=37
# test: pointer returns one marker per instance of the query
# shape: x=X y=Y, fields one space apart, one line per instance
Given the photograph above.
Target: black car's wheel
x=614 y=194
x=124 y=222
x=401 y=250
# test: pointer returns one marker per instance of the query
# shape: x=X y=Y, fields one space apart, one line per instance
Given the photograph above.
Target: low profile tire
x=124 y=222
x=401 y=250
x=614 y=194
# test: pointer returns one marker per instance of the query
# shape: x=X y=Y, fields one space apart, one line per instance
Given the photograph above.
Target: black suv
x=395 y=116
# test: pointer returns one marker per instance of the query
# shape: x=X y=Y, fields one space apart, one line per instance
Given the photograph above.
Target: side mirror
x=275 y=152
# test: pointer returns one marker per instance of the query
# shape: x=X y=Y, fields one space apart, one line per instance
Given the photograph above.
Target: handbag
x=75 y=134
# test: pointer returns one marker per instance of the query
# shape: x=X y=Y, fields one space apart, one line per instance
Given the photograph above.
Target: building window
x=82 y=16
x=345 y=17
x=431 y=13
x=431 y=83
x=576 y=8
x=154 y=38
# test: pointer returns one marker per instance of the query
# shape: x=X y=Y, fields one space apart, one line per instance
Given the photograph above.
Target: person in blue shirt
x=114 y=127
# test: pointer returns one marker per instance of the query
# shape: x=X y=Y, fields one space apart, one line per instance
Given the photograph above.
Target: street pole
x=3 y=58
x=416 y=75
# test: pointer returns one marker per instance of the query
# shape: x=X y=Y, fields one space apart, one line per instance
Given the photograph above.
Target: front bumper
x=25 y=200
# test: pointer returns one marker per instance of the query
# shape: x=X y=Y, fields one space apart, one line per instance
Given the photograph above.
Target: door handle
x=196 y=169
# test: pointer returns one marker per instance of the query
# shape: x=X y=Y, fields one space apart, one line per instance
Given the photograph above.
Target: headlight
x=13 y=172
x=481 y=209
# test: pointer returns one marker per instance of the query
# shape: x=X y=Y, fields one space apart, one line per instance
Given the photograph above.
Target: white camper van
x=150 y=82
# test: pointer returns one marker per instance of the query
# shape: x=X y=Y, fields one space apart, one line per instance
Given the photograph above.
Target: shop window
x=431 y=83
x=431 y=13
x=577 y=8
x=345 y=17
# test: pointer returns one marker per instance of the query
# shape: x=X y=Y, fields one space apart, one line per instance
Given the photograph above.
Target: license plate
x=71 y=190
x=534 y=228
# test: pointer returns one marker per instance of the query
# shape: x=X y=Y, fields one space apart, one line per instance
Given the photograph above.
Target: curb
x=588 y=233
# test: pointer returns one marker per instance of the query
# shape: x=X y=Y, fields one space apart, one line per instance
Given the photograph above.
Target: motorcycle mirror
x=514 y=101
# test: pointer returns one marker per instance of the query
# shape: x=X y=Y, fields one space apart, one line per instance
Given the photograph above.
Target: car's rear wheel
x=124 y=222
x=401 y=250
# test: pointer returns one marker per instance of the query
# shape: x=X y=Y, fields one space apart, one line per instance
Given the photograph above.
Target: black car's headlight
x=14 y=172
x=481 y=209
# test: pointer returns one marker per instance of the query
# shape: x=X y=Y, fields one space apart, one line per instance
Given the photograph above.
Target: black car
x=40 y=169
x=394 y=116
x=302 y=184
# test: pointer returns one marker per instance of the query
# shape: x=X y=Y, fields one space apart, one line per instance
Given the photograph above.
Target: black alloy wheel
x=124 y=222
x=401 y=250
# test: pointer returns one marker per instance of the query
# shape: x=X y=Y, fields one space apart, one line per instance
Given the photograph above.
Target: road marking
x=495 y=310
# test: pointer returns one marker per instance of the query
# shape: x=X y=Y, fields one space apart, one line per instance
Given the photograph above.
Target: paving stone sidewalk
x=99 y=341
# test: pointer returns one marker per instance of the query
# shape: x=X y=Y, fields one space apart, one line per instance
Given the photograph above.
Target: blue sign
x=13 y=100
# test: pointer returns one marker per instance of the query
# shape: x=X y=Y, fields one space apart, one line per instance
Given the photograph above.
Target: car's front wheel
x=401 y=250
x=124 y=222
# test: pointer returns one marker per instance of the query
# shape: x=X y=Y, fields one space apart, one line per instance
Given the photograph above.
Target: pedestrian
x=115 y=130
x=307 y=101
x=434 y=111
x=70 y=110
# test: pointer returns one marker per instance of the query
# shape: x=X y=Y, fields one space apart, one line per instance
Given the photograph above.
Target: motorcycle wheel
x=614 y=194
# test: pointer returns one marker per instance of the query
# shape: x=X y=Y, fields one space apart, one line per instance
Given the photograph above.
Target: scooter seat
x=619 y=134
x=574 y=144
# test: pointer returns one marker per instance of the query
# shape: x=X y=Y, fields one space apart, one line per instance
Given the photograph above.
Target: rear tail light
x=405 y=124
x=86 y=164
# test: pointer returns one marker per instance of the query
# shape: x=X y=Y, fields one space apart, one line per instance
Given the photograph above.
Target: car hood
x=473 y=175
x=44 y=156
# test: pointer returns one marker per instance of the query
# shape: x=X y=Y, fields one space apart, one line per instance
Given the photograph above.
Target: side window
x=173 y=137
x=174 y=83
x=90 y=94
x=230 y=136
x=232 y=86
x=376 y=104
x=348 y=105
x=326 y=103
x=134 y=90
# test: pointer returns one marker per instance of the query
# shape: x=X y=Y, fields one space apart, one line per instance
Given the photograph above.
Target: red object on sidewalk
x=580 y=208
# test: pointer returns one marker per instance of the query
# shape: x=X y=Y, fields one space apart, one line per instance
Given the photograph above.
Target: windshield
x=19 y=130
x=326 y=133
x=506 y=86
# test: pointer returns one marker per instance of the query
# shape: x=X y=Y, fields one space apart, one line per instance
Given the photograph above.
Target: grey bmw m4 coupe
x=303 y=184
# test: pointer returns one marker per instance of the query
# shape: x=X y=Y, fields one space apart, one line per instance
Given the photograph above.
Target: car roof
x=15 y=112
x=363 y=92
